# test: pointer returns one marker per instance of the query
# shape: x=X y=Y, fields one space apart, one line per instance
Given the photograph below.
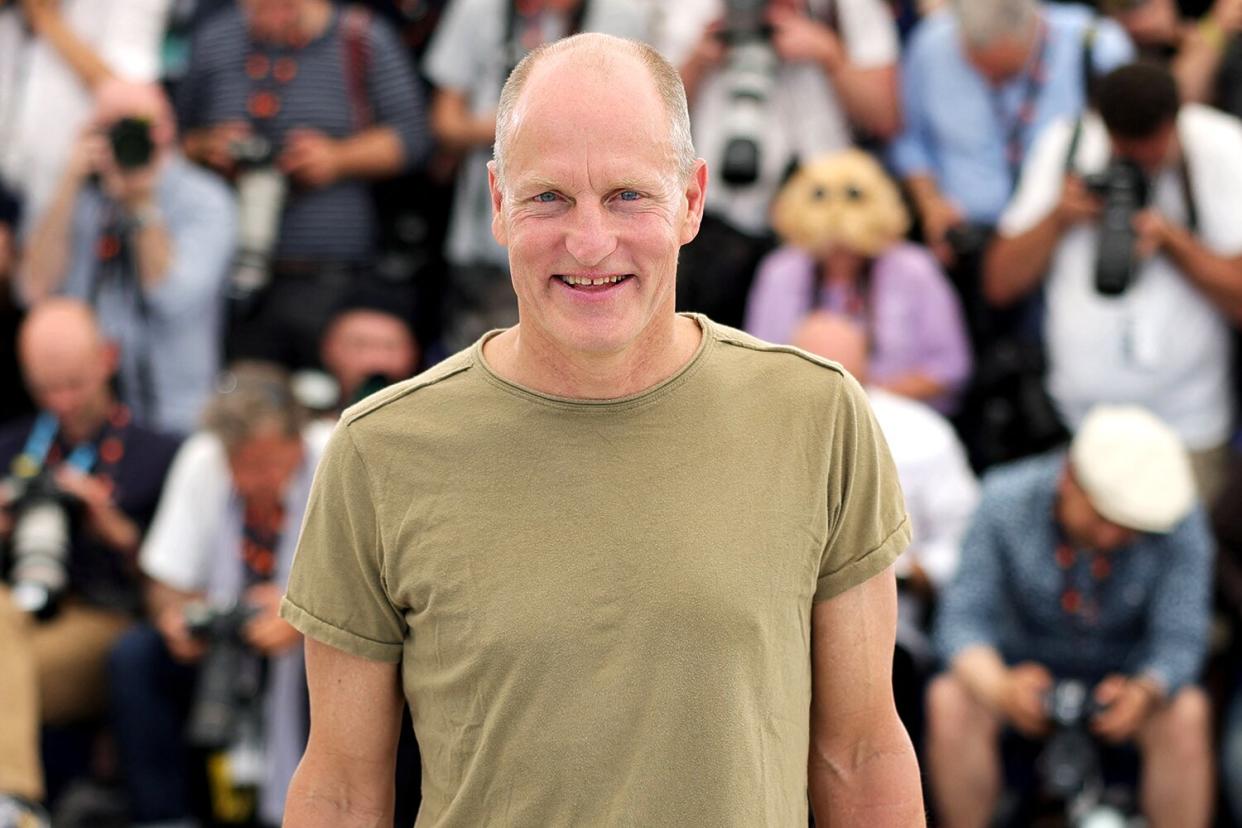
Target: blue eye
x=546 y=198
x=630 y=195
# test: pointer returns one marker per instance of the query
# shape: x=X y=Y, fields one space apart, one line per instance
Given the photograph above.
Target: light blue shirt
x=957 y=125
x=170 y=352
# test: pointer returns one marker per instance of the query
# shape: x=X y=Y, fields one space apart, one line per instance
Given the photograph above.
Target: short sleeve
x=450 y=61
x=182 y=540
x=336 y=590
x=867 y=526
x=870 y=33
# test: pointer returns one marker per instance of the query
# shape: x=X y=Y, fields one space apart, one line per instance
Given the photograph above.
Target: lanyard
x=39 y=445
x=1016 y=127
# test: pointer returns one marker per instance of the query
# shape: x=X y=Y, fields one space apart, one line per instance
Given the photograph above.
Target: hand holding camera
x=1124 y=705
x=1077 y=204
x=123 y=157
x=267 y=632
x=1021 y=698
x=310 y=158
x=799 y=39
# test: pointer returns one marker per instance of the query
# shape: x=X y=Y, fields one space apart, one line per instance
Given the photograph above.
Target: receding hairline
x=605 y=53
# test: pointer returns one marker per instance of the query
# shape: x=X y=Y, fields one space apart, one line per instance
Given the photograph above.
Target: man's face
x=1001 y=60
x=273 y=20
x=591 y=194
x=70 y=382
x=263 y=465
x=1086 y=527
x=1151 y=153
x=362 y=343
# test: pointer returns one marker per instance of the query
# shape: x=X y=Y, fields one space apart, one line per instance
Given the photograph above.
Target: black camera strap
x=115 y=264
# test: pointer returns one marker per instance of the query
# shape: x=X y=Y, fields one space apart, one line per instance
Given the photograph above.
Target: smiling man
x=629 y=567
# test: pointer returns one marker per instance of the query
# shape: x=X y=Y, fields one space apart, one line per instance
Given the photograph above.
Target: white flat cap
x=1133 y=468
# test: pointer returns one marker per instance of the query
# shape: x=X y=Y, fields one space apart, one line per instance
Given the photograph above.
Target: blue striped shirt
x=338 y=222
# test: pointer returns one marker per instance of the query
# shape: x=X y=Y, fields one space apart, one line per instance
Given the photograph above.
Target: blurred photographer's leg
x=20 y=771
x=963 y=754
x=1177 y=784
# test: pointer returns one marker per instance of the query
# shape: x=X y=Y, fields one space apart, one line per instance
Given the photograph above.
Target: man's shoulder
x=934 y=37
x=408 y=391
x=742 y=347
x=1209 y=130
x=187 y=185
x=1020 y=480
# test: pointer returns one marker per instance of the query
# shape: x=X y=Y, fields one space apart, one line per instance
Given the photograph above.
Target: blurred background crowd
x=223 y=222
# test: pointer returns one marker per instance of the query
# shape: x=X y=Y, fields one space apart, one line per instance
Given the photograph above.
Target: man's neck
x=533 y=361
x=315 y=19
x=89 y=424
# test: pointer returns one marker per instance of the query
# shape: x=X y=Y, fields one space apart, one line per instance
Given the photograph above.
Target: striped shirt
x=337 y=223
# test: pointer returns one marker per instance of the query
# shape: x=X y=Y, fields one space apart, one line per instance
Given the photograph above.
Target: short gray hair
x=983 y=22
x=251 y=397
x=663 y=74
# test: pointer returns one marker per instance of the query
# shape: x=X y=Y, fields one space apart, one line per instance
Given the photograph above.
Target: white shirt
x=1161 y=344
x=44 y=105
x=941 y=494
x=805 y=116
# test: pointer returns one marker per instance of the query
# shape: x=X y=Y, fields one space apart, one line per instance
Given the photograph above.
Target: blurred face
x=363 y=343
x=1083 y=525
x=71 y=382
x=591 y=208
x=263 y=465
x=1151 y=153
x=1001 y=60
x=273 y=20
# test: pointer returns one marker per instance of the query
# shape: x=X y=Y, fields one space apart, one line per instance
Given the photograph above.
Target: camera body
x=1124 y=189
x=132 y=145
x=230 y=680
x=43 y=518
x=1070 y=768
x=750 y=76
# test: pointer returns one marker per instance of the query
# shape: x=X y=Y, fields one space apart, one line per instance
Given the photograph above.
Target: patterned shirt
x=1151 y=608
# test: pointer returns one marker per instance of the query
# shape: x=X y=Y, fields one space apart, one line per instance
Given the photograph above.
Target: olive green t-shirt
x=602 y=608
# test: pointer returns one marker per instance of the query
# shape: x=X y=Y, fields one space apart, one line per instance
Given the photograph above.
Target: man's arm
x=47 y=22
x=1015 y=265
x=862 y=769
x=455 y=126
x=345 y=778
x=47 y=252
x=1218 y=277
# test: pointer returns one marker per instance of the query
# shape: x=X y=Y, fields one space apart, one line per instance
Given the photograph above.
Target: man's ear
x=499 y=230
x=696 y=198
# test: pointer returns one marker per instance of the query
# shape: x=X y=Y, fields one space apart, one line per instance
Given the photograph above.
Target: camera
x=1123 y=188
x=132 y=146
x=39 y=547
x=261 y=193
x=1070 y=767
x=228 y=694
x=749 y=76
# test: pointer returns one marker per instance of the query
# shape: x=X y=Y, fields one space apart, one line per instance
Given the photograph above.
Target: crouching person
x=1093 y=566
x=217 y=560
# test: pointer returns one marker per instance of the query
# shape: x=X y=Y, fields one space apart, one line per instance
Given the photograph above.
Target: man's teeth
x=583 y=281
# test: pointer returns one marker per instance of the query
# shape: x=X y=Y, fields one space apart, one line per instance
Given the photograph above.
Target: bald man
x=630 y=567
x=146 y=238
x=52 y=655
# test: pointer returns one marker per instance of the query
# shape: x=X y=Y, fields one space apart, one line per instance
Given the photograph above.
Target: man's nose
x=591 y=238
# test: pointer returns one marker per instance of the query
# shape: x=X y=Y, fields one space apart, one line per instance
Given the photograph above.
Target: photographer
x=1141 y=277
x=145 y=238
x=1093 y=565
x=104 y=474
x=770 y=82
x=54 y=56
x=303 y=103
x=224 y=533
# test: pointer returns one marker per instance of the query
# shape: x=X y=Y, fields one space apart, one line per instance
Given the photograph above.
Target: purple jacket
x=913 y=317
